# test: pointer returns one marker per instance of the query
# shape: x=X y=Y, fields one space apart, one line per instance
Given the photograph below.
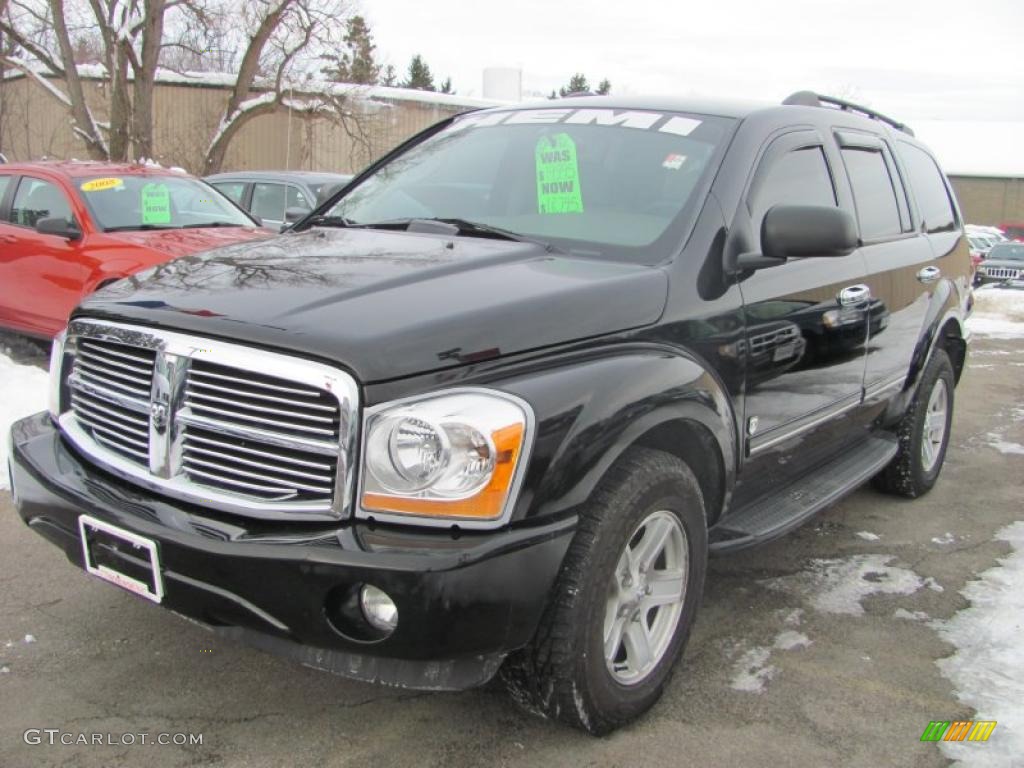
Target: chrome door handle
x=854 y=295
x=929 y=274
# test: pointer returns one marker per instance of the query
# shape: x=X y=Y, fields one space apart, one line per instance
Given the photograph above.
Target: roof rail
x=812 y=99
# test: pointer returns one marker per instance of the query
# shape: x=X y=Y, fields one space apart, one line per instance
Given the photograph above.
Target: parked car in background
x=68 y=228
x=278 y=197
x=1004 y=263
x=1014 y=230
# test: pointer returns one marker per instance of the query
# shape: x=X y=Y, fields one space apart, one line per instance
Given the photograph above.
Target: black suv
x=491 y=407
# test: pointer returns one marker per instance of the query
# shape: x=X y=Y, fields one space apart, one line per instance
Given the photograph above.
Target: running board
x=792 y=505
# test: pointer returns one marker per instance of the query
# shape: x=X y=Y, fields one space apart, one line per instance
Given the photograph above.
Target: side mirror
x=291 y=215
x=55 y=225
x=793 y=231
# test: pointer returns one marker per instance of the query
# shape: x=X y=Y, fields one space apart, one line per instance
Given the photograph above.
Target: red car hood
x=184 y=242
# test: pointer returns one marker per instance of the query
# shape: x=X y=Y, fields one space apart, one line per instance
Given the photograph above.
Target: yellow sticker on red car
x=97 y=185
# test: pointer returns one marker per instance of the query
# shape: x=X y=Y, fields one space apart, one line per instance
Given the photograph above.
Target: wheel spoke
x=646 y=553
x=613 y=637
x=666 y=588
x=638 y=645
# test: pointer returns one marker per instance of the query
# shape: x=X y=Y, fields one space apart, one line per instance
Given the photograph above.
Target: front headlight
x=449 y=456
x=56 y=363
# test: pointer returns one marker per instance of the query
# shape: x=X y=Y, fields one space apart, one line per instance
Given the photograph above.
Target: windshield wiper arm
x=459 y=226
x=138 y=227
x=211 y=224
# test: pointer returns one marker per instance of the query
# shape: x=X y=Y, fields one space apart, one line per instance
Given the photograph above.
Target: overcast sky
x=948 y=60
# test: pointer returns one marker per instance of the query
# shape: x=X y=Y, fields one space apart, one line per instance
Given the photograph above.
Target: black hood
x=388 y=304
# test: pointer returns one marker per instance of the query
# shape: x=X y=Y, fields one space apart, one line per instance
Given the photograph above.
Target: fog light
x=379 y=609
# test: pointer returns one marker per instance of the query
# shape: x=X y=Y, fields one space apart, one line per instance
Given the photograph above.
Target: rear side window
x=800 y=177
x=234 y=190
x=37 y=199
x=873 y=193
x=297 y=199
x=268 y=201
x=929 y=189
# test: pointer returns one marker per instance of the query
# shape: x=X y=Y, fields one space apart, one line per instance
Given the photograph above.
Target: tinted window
x=800 y=177
x=873 y=193
x=929 y=189
x=5 y=182
x=268 y=201
x=37 y=199
x=232 y=189
x=297 y=199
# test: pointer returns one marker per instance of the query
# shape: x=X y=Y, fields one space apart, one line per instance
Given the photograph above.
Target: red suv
x=67 y=228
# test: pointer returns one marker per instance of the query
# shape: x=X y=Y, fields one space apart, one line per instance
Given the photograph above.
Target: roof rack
x=812 y=99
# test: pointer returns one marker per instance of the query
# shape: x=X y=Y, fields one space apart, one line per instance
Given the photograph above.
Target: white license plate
x=785 y=352
x=121 y=557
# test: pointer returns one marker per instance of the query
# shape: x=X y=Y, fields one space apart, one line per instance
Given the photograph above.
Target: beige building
x=187 y=111
x=990 y=200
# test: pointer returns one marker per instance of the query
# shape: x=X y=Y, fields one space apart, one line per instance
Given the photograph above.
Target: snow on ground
x=838 y=585
x=986 y=668
x=752 y=671
x=868 y=536
x=998 y=313
x=23 y=391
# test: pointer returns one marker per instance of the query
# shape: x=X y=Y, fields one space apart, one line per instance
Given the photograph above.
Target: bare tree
x=283 y=38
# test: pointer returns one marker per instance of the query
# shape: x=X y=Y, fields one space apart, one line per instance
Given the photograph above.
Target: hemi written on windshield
x=681 y=126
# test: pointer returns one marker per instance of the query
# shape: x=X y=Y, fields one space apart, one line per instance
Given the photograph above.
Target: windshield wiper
x=458 y=226
x=329 y=221
x=210 y=224
x=138 y=227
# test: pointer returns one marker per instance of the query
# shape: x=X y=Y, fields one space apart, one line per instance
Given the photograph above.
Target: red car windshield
x=120 y=203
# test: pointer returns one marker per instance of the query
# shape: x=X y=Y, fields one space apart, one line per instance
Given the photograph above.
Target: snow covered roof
x=311 y=86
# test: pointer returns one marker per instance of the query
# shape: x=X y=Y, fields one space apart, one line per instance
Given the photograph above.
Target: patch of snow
x=946 y=538
x=752 y=672
x=839 y=585
x=5 y=670
x=868 y=536
x=998 y=313
x=789 y=639
x=30 y=638
x=933 y=585
x=987 y=666
x=1004 y=446
x=23 y=391
x=901 y=613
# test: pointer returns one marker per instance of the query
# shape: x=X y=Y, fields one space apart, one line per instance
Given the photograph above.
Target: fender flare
x=626 y=393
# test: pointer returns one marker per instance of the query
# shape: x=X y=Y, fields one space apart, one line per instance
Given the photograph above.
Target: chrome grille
x=764 y=341
x=230 y=427
x=255 y=468
x=1001 y=272
x=110 y=389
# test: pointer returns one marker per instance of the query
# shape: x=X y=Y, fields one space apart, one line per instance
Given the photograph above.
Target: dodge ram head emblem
x=158 y=415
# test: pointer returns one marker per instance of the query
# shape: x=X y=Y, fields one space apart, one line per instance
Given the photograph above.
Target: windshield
x=157 y=202
x=1007 y=252
x=590 y=180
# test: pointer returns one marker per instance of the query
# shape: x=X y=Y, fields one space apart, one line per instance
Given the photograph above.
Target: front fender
x=592 y=406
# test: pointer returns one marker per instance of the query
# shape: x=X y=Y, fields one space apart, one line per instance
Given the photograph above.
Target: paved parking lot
x=815 y=650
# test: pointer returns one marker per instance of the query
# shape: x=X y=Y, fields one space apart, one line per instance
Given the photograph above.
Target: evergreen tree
x=604 y=88
x=446 y=86
x=389 y=76
x=357 y=63
x=577 y=84
x=419 y=76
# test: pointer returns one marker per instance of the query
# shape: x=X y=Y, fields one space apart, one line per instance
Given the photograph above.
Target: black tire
x=907 y=474
x=562 y=674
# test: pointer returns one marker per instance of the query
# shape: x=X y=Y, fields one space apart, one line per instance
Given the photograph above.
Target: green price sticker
x=558 y=175
x=156 y=204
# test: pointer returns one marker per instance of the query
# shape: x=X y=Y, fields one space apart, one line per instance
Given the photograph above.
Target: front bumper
x=463 y=602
